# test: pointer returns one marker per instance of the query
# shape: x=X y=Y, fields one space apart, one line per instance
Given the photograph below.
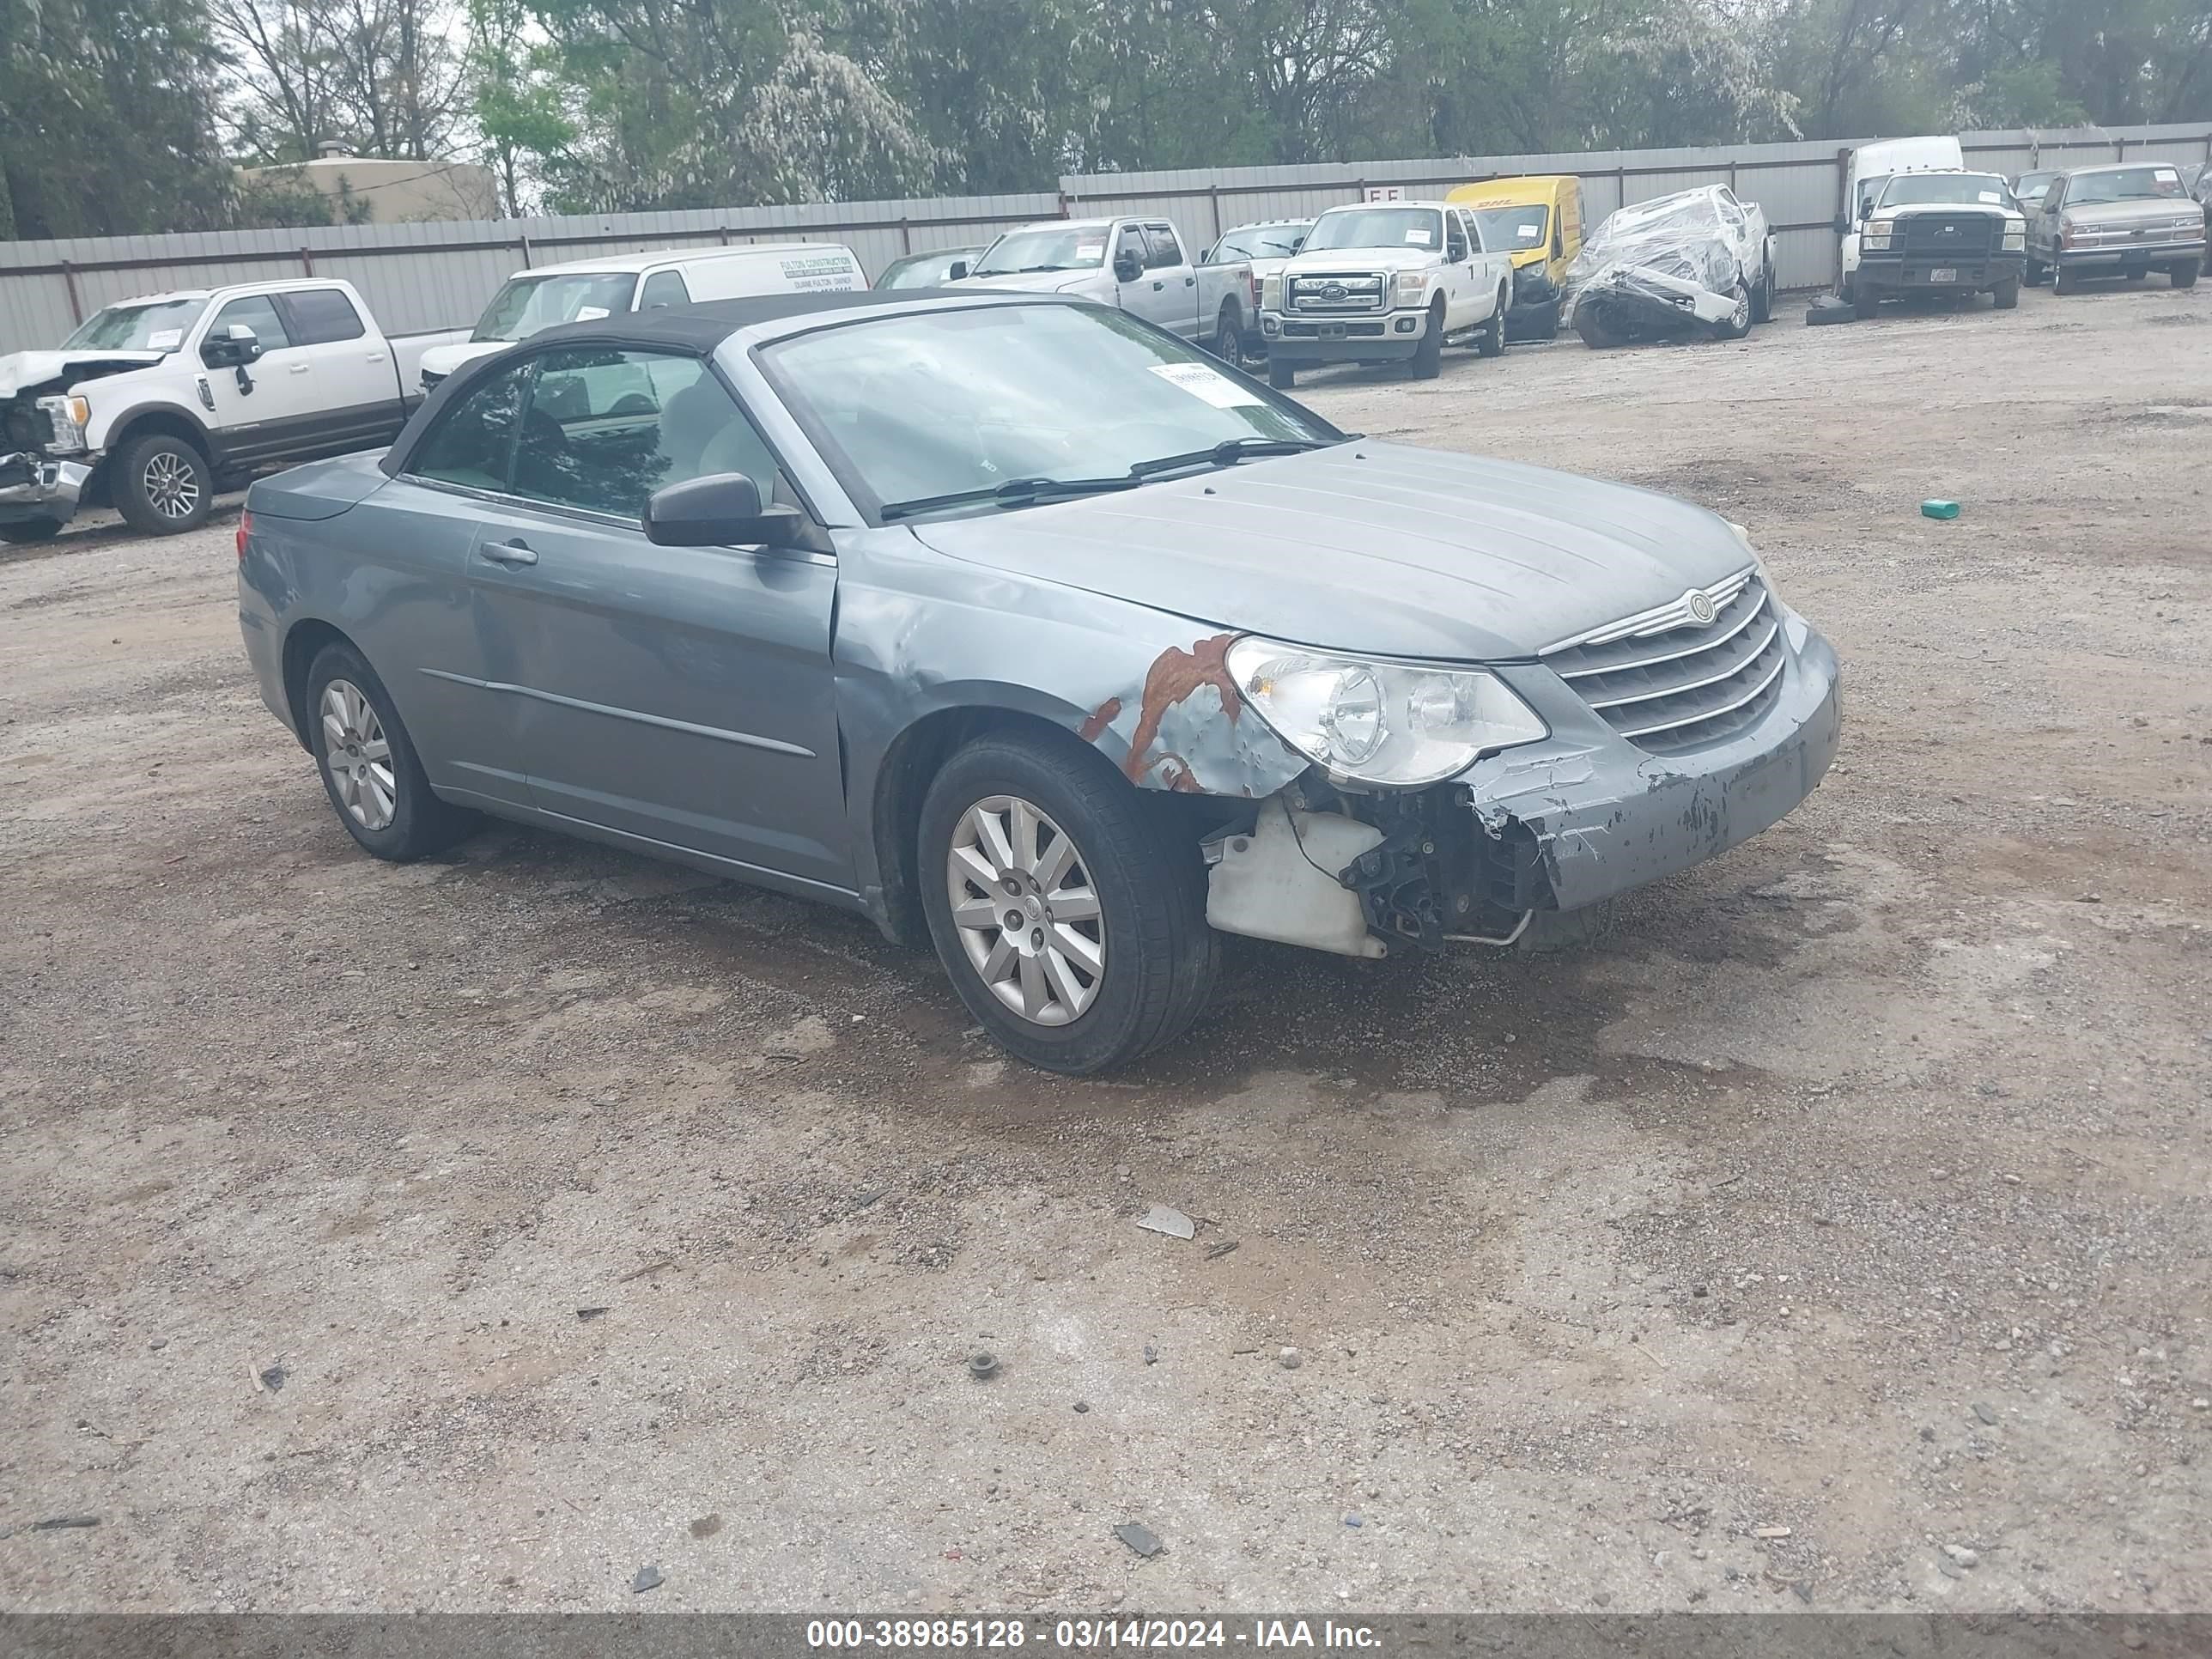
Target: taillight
x=245 y=529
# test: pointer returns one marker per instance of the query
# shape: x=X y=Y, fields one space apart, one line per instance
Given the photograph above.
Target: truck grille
x=1969 y=235
x=1670 y=682
x=1328 y=292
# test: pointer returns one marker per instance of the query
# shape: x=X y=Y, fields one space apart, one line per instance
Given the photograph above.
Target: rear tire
x=1491 y=341
x=162 y=486
x=2006 y=295
x=1228 y=339
x=25 y=532
x=370 y=770
x=1143 y=889
x=1429 y=355
x=2183 y=275
x=1281 y=375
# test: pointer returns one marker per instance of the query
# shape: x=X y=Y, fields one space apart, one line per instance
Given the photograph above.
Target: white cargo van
x=1871 y=165
x=539 y=298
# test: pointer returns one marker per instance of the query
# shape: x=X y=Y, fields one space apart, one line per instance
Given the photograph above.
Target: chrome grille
x=1668 y=682
x=1332 y=293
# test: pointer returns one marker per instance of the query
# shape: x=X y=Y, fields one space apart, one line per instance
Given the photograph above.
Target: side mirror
x=959 y=270
x=722 y=509
x=1127 y=268
x=234 y=348
x=1843 y=224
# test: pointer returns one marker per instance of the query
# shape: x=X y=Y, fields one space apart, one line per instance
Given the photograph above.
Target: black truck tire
x=1281 y=375
x=162 y=486
x=2183 y=275
x=2006 y=295
x=1429 y=355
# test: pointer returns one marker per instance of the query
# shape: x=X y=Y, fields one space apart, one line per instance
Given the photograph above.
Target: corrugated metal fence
x=439 y=276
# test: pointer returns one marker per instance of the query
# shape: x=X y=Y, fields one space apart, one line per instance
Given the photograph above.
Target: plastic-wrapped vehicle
x=1698 y=262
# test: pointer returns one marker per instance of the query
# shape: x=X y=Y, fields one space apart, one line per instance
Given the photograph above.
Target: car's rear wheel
x=30 y=529
x=161 y=485
x=1228 y=339
x=1429 y=355
x=2183 y=275
x=1762 y=299
x=370 y=770
x=1490 y=340
x=1071 y=926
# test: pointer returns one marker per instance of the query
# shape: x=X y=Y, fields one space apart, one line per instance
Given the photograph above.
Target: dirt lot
x=1854 y=1202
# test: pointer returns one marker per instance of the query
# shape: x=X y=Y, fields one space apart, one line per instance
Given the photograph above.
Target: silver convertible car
x=1029 y=632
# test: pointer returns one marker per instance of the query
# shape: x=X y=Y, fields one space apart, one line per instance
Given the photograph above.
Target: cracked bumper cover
x=32 y=486
x=1608 y=818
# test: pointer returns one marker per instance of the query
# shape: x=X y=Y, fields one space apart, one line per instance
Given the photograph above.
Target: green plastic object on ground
x=1939 y=509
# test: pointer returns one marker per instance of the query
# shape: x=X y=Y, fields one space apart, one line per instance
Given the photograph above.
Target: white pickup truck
x=154 y=404
x=1140 y=266
x=1385 y=282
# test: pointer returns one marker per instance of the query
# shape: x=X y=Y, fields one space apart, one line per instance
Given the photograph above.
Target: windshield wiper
x=1014 y=491
x=1230 y=451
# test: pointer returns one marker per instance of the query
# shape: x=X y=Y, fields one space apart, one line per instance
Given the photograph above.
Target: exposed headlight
x=1271 y=292
x=1876 y=234
x=2015 y=236
x=68 y=418
x=1398 y=724
x=1410 y=286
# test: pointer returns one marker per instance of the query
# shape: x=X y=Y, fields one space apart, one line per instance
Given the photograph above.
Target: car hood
x=2148 y=210
x=1372 y=548
x=1035 y=282
x=1908 y=209
x=1362 y=258
x=20 y=369
x=445 y=359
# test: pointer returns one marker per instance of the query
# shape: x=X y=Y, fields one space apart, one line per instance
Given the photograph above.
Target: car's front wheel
x=370 y=770
x=1429 y=355
x=1072 y=928
x=161 y=485
x=2183 y=275
x=1737 y=324
x=2005 y=296
x=1281 y=375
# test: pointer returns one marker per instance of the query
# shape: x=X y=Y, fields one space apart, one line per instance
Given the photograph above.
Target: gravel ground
x=469 y=1235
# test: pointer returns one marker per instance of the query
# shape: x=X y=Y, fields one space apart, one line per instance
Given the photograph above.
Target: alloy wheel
x=1028 y=916
x=171 y=484
x=359 y=757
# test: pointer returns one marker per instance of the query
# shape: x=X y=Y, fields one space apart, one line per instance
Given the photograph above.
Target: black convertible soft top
x=695 y=330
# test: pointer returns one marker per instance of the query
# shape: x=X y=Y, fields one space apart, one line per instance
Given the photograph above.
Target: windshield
x=924 y=270
x=1508 y=229
x=1081 y=247
x=914 y=407
x=2124 y=184
x=528 y=304
x=1947 y=190
x=1260 y=242
x=2034 y=183
x=1377 y=226
x=159 y=327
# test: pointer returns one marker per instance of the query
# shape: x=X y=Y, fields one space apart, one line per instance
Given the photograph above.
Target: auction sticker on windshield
x=1420 y=236
x=1090 y=250
x=165 y=339
x=1215 y=388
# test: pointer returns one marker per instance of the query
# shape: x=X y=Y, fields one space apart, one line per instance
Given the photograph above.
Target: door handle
x=1190 y=282
x=296 y=368
x=517 y=551
x=1156 y=287
x=376 y=356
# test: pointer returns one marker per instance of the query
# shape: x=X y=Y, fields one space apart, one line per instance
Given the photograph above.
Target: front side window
x=160 y=325
x=1455 y=248
x=1079 y=248
x=1166 y=252
x=473 y=442
x=606 y=428
x=662 y=289
x=256 y=313
x=1377 y=226
x=528 y=305
x=910 y=408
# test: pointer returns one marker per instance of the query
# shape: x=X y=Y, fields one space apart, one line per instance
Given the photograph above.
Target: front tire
x=370 y=772
x=1107 y=955
x=1429 y=355
x=1281 y=375
x=1738 y=323
x=1589 y=323
x=162 y=485
x=25 y=532
x=2006 y=295
x=2067 y=282
x=2183 y=275
x=1491 y=341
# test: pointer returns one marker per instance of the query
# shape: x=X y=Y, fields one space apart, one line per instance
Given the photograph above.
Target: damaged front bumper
x=36 y=487
x=1572 y=821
